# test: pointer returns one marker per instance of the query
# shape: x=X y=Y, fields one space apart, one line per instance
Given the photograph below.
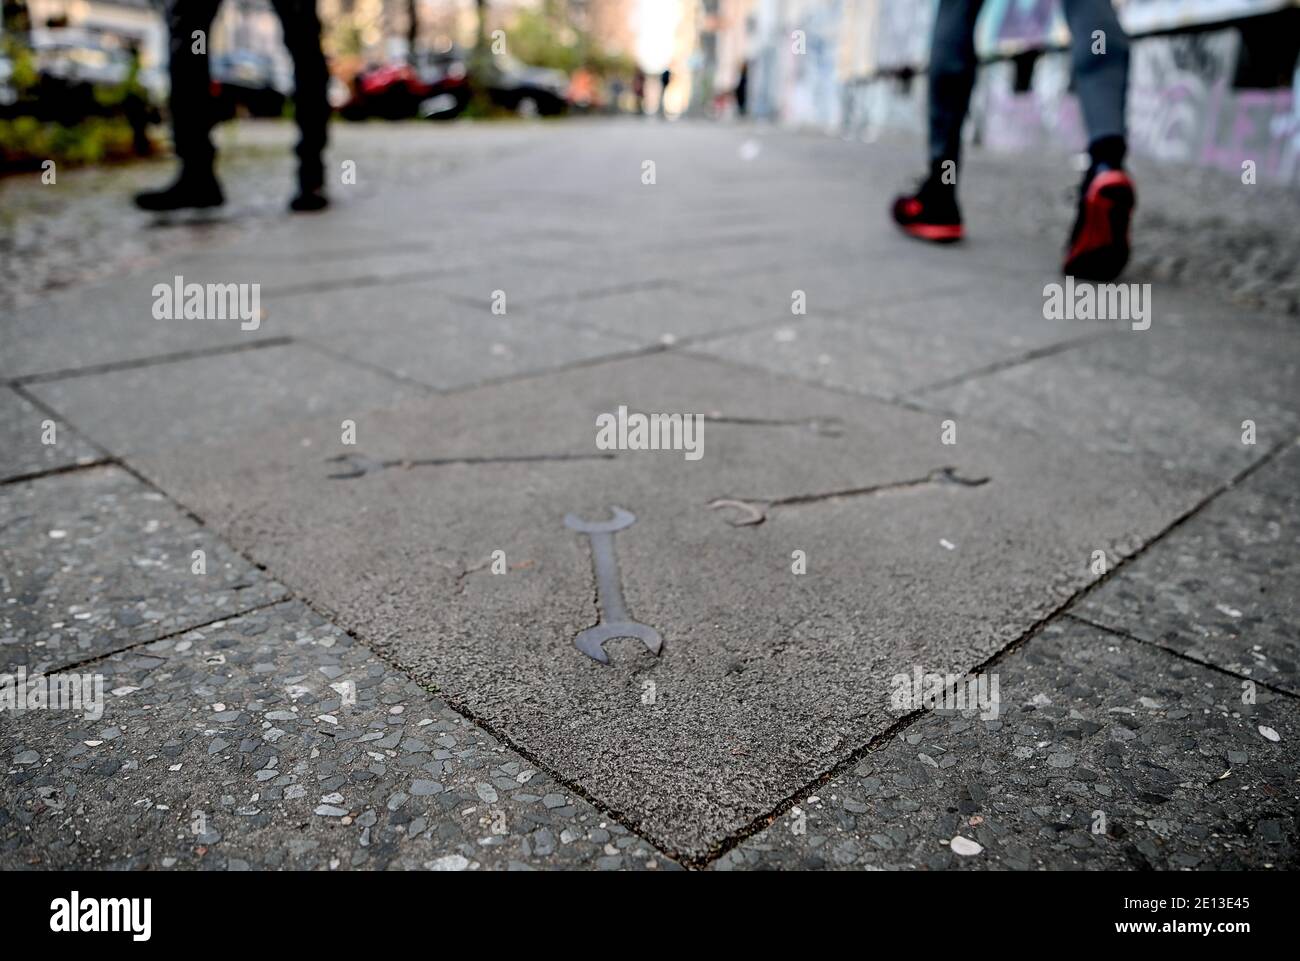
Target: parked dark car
x=248 y=83
x=528 y=91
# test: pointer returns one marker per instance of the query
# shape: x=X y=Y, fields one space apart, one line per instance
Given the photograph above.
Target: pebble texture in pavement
x=1224 y=588
x=1106 y=754
x=244 y=729
x=94 y=561
x=30 y=444
x=275 y=741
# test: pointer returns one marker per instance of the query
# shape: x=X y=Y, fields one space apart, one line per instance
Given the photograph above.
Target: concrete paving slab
x=23 y=432
x=416 y=332
x=218 y=396
x=1179 y=396
x=110 y=322
x=94 y=561
x=284 y=273
x=892 y=349
x=1106 y=754
x=1224 y=588
x=664 y=314
x=530 y=285
x=275 y=741
x=841 y=286
x=767 y=677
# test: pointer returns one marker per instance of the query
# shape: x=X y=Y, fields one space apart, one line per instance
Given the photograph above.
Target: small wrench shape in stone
x=614 y=618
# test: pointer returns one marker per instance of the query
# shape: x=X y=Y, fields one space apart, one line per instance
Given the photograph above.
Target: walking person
x=192 y=107
x=1098 y=247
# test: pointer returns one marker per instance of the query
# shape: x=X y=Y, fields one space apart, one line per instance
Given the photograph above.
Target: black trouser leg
x=190 y=99
x=301 y=27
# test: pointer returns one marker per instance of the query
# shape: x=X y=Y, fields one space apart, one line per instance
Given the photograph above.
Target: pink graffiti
x=1247 y=127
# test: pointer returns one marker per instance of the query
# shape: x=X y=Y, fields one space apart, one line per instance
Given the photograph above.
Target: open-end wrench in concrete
x=614 y=619
x=358 y=465
x=753 y=511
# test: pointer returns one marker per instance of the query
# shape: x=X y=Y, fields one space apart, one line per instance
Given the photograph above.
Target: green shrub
x=26 y=141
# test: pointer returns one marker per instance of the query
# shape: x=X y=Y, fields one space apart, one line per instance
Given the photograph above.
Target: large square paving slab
x=767 y=677
x=841 y=286
x=224 y=395
x=1106 y=754
x=664 y=313
x=1224 y=587
x=886 y=349
x=274 y=740
x=417 y=332
x=111 y=322
x=1180 y=395
x=93 y=561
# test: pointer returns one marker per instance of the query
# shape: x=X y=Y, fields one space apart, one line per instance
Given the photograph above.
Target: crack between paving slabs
x=1061 y=611
x=762 y=821
x=154 y=360
x=599 y=805
x=104 y=655
x=432 y=689
x=1219 y=668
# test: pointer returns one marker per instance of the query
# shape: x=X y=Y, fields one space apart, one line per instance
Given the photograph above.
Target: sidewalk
x=351 y=684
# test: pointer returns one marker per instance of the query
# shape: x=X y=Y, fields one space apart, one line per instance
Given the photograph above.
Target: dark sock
x=1108 y=152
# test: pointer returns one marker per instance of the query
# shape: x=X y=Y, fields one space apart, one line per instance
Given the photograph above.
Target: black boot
x=931 y=212
x=311 y=186
x=309 y=199
x=188 y=190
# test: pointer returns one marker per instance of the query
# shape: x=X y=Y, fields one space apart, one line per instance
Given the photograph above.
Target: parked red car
x=439 y=87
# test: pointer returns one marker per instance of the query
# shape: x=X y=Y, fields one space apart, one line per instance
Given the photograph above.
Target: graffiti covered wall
x=1183 y=104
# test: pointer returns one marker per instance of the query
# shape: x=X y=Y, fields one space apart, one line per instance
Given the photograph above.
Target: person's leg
x=1099 y=55
x=931 y=213
x=1099 y=58
x=191 y=109
x=301 y=27
x=951 y=75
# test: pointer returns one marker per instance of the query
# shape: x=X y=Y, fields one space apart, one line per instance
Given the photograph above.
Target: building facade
x=1212 y=81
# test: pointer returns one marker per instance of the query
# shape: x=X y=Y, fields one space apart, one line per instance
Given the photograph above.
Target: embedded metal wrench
x=614 y=618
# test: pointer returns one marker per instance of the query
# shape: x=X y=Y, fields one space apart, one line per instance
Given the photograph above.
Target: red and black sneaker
x=931 y=213
x=1099 y=243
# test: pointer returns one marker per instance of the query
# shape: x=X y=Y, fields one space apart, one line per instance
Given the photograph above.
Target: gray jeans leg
x=951 y=74
x=1100 y=79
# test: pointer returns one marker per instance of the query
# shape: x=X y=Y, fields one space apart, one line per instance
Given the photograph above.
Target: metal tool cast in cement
x=751 y=511
x=359 y=465
x=614 y=619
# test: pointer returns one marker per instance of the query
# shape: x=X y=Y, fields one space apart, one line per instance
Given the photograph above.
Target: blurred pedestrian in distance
x=135 y=105
x=665 y=79
x=638 y=90
x=1098 y=246
x=192 y=107
x=742 y=88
